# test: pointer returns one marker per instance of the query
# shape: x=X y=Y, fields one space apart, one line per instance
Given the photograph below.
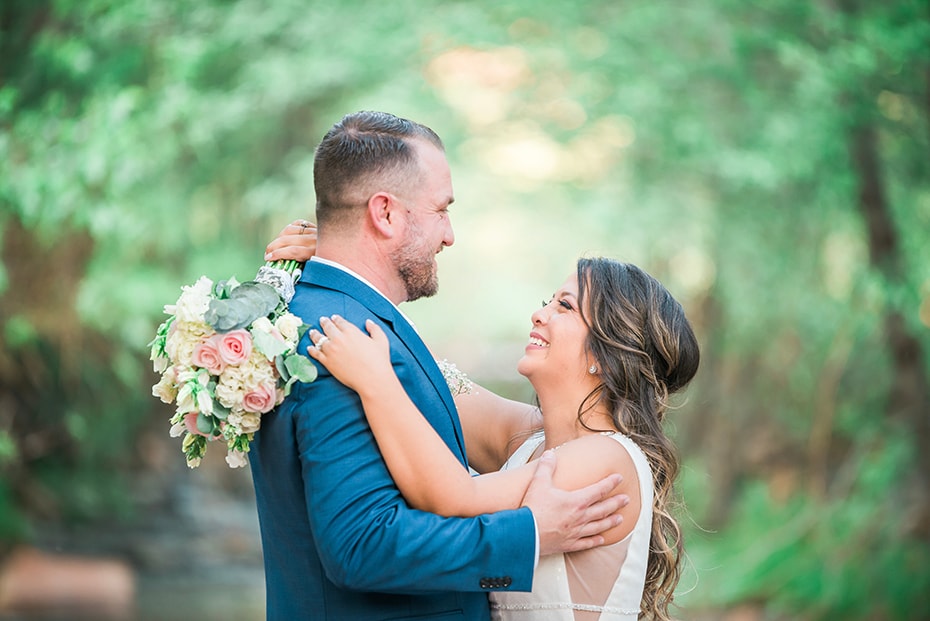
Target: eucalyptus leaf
x=220 y=411
x=204 y=423
x=245 y=304
x=270 y=346
x=301 y=368
x=282 y=369
x=288 y=385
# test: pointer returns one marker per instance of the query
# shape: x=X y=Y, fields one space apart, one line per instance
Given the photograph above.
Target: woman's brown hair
x=646 y=350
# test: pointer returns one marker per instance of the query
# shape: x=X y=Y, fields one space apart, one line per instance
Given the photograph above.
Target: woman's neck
x=560 y=418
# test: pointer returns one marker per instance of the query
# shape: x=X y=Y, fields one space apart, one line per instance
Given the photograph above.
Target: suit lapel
x=323 y=275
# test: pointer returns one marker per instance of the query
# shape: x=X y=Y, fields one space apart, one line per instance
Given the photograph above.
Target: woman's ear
x=382 y=213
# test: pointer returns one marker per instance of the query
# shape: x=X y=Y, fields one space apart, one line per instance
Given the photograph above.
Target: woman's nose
x=541 y=315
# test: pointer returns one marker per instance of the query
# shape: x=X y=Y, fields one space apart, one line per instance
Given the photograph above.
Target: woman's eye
x=565 y=304
x=545 y=303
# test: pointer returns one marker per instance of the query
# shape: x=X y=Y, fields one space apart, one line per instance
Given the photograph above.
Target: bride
x=604 y=354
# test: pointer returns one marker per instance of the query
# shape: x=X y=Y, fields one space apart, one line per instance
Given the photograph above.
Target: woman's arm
x=493 y=426
x=425 y=470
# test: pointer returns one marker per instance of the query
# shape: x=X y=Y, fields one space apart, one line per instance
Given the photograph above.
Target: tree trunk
x=910 y=390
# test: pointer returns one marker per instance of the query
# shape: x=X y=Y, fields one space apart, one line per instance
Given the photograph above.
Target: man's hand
x=296 y=241
x=572 y=521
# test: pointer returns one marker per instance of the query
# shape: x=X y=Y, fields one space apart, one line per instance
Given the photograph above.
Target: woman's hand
x=296 y=241
x=360 y=362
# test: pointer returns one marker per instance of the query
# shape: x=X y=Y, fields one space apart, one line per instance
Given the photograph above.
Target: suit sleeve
x=367 y=536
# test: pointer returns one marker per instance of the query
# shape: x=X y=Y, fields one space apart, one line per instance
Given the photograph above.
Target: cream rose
x=262 y=324
x=288 y=324
x=249 y=422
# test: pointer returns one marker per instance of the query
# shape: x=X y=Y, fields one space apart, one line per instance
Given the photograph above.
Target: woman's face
x=556 y=349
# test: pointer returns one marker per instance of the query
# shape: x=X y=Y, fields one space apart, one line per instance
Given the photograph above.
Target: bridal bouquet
x=227 y=354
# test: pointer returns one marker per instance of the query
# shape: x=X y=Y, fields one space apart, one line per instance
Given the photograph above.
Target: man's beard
x=416 y=266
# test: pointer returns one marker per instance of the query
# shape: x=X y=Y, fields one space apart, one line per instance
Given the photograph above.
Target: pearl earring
x=592 y=369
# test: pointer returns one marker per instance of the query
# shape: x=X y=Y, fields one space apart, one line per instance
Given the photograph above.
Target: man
x=339 y=541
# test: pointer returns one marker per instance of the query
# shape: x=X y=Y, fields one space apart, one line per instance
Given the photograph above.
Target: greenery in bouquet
x=227 y=354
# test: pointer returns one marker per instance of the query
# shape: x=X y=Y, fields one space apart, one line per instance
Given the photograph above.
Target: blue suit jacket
x=338 y=539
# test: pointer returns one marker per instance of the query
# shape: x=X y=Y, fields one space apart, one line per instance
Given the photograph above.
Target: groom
x=339 y=541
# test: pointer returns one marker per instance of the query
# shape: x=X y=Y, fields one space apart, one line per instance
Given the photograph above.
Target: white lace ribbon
x=280 y=280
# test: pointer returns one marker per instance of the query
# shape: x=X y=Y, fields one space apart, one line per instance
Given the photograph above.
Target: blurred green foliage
x=768 y=162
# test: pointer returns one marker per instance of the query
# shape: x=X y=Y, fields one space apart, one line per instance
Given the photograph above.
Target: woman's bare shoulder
x=589 y=459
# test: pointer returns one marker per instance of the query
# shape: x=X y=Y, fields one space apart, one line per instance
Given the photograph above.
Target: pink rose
x=235 y=346
x=190 y=421
x=261 y=399
x=207 y=356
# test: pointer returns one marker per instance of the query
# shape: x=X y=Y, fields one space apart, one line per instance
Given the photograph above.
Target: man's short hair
x=364 y=153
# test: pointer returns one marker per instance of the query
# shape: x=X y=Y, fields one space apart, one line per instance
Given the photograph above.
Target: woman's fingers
x=296 y=241
x=338 y=330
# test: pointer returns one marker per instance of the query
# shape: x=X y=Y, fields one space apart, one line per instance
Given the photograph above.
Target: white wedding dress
x=602 y=584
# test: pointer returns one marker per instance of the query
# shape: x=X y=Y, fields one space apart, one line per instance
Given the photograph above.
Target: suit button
x=484 y=584
x=506 y=581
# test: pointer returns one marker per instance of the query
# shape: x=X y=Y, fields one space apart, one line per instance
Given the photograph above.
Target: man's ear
x=382 y=214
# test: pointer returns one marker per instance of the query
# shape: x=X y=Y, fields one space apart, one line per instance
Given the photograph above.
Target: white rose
x=287 y=324
x=262 y=324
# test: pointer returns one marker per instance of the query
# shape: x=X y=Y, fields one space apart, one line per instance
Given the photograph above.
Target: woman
x=604 y=355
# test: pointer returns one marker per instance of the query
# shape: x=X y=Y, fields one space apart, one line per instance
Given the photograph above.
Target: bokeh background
x=768 y=161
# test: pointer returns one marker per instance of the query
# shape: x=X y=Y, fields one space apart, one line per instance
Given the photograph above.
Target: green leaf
x=220 y=411
x=301 y=368
x=245 y=304
x=282 y=369
x=288 y=385
x=205 y=423
x=268 y=344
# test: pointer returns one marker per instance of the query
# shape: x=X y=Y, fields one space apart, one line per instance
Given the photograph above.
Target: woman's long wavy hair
x=646 y=350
